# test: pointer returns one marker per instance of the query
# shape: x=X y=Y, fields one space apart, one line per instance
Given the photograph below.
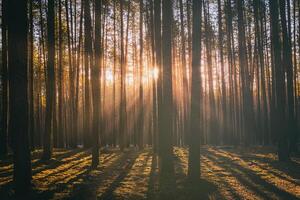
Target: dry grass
x=227 y=173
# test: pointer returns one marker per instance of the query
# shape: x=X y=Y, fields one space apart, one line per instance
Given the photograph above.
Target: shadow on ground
x=226 y=174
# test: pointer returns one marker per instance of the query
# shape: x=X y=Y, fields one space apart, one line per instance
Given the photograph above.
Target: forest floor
x=227 y=173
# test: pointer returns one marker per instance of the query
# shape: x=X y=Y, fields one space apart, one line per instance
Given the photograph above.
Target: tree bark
x=281 y=136
x=87 y=64
x=196 y=98
x=50 y=85
x=18 y=94
x=245 y=77
x=4 y=75
x=96 y=77
x=165 y=132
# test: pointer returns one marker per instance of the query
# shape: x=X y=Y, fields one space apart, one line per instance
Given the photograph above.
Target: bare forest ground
x=227 y=173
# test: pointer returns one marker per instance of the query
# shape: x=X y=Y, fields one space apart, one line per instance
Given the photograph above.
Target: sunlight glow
x=154 y=73
x=149 y=75
x=129 y=79
x=109 y=76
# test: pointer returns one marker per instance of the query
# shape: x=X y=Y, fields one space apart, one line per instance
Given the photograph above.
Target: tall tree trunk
x=245 y=77
x=4 y=81
x=157 y=42
x=188 y=13
x=196 y=98
x=114 y=78
x=41 y=22
x=58 y=136
x=141 y=89
x=221 y=53
x=122 y=108
x=30 y=71
x=18 y=93
x=71 y=80
x=165 y=132
x=87 y=64
x=39 y=110
x=281 y=136
x=50 y=85
x=96 y=73
x=184 y=70
x=232 y=76
x=258 y=31
x=76 y=104
x=213 y=130
x=288 y=63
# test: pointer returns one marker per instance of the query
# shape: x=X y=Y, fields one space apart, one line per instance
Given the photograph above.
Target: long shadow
x=53 y=163
x=239 y=176
x=80 y=160
x=193 y=190
x=58 y=158
x=78 y=174
x=6 y=192
x=223 y=183
x=8 y=159
x=201 y=189
x=175 y=184
x=275 y=173
x=109 y=193
x=230 y=166
x=6 y=165
x=167 y=185
x=7 y=172
x=153 y=176
x=31 y=195
x=290 y=168
x=36 y=154
x=88 y=188
x=84 y=175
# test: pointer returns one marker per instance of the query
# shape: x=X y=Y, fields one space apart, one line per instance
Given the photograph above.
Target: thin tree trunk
x=141 y=89
x=71 y=81
x=245 y=77
x=213 y=130
x=114 y=78
x=58 y=136
x=185 y=68
x=122 y=108
x=157 y=41
x=30 y=71
x=4 y=80
x=76 y=110
x=50 y=85
x=224 y=93
x=87 y=64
